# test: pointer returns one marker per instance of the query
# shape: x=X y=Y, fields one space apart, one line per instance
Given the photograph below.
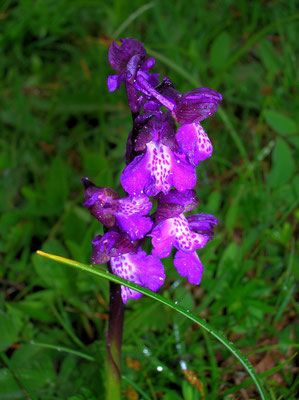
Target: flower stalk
x=113 y=343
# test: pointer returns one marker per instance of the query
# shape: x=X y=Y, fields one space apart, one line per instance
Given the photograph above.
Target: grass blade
x=199 y=321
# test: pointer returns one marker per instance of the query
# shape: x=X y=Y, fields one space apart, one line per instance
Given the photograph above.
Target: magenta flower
x=128 y=262
x=186 y=234
x=176 y=232
x=127 y=213
x=144 y=270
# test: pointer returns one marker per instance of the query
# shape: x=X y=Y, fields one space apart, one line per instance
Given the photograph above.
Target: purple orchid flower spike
x=127 y=213
x=159 y=157
x=128 y=262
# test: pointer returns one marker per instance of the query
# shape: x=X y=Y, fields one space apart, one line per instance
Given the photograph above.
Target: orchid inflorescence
x=159 y=157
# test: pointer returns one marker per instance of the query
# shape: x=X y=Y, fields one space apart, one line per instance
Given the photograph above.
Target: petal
x=186 y=199
x=112 y=244
x=130 y=205
x=174 y=203
x=100 y=202
x=113 y=82
x=196 y=105
x=146 y=271
x=194 y=142
x=184 y=174
x=189 y=265
x=163 y=238
x=202 y=224
x=157 y=170
x=176 y=232
x=119 y=56
x=186 y=240
x=136 y=176
x=135 y=226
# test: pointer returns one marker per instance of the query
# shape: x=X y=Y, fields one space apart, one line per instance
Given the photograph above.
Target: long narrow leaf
x=199 y=321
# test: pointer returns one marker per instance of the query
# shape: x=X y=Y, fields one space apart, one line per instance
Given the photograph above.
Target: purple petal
x=129 y=215
x=196 y=105
x=162 y=239
x=157 y=170
x=134 y=205
x=174 y=203
x=100 y=202
x=202 y=224
x=136 y=175
x=112 y=244
x=186 y=199
x=119 y=56
x=114 y=82
x=176 y=232
x=194 y=142
x=189 y=265
x=135 y=226
x=146 y=271
x=184 y=174
x=166 y=88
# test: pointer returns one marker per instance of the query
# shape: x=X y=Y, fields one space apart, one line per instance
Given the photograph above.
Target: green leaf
x=282 y=165
x=220 y=51
x=186 y=313
x=269 y=56
x=280 y=123
x=9 y=329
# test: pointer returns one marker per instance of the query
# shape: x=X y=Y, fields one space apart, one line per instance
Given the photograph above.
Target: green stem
x=113 y=343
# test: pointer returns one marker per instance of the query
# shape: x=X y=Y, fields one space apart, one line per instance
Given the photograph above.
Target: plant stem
x=113 y=343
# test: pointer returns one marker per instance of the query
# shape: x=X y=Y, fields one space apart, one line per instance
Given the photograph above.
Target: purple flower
x=128 y=262
x=194 y=142
x=127 y=213
x=176 y=232
x=139 y=268
x=186 y=235
x=157 y=170
x=111 y=244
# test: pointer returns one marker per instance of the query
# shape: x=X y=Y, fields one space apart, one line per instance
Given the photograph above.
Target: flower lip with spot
x=139 y=268
x=127 y=213
x=179 y=233
x=158 y=169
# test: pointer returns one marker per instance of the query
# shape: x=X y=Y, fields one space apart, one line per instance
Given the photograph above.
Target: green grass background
x=58 y=123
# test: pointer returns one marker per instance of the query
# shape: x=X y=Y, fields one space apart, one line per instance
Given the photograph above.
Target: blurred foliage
x=59 y=123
